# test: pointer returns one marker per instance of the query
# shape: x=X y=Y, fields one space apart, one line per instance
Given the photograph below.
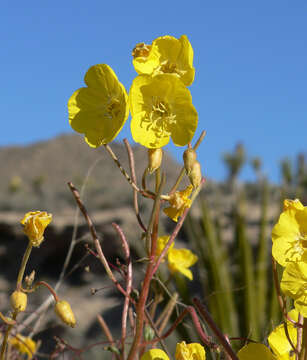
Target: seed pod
x=195 y=175
x=64 y=312
x=154 y=159
x=189 y=158
x=19 y=301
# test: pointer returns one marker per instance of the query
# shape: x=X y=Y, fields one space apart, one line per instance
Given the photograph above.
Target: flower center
x=168 y=67
x=159 y=119
x=112 y=108
x=141 y=50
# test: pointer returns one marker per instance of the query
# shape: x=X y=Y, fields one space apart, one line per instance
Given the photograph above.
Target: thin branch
x=126 y=248
x=208 y=319
x=124 y=172
x=133 y=177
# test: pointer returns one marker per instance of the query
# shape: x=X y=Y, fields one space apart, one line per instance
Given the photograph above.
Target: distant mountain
x=36 y=176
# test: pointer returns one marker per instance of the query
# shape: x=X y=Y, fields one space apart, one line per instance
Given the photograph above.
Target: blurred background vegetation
x=229 y=227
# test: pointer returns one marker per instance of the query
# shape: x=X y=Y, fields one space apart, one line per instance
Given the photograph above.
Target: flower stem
x=23 y=265
x=6 y=336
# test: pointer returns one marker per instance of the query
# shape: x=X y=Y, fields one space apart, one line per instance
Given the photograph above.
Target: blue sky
x=250 y=59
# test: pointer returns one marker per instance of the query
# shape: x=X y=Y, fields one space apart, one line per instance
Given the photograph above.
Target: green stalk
x=221 y=276
x=262 y=260
x=247 y=270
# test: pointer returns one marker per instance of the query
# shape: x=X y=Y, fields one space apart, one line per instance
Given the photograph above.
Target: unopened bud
x=195 y=175
x=154 y=159
x=30 y=278
x=64 y=312
x=19 y=301
x=189 y=158
x=149 y=333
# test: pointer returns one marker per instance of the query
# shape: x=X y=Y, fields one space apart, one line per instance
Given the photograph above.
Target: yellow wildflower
x=278 y=340
x=34 y=224
x=255 y=351
x=166 y=55
x=155 y=354
x=294 y=284
x=193 y=351
x=99 y=110
x=161 y=107
x=24 y=345
x=64 y=312
x=179 y=260
x=289 y=235
x=179 y=201
x=162 y=241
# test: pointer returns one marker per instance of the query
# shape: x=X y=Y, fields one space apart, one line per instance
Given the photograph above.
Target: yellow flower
x=24 y=345
x=34 y=224
x=294 y=284
x=99 y=110
x=289 y=235
x=179 y=201
x=179 y=260
x=162 y=241
x=193 y=351
x=255 y=351
x=161 y=107
x=166 y=55
x=278 y=340
x=155 y=354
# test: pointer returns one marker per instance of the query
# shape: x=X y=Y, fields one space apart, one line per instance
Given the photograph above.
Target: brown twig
x=133 y=177
x=126 y=248
x=124 y=172
x=93 y=232
x=208 y=319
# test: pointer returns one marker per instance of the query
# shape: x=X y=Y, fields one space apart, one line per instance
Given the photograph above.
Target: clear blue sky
x=250 y=59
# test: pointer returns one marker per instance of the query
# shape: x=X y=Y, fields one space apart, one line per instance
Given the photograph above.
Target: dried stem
x=128 y=285
x=208 y=319
x=93 y=232
x=140 y=307
x=124 y=172
x=133 y=177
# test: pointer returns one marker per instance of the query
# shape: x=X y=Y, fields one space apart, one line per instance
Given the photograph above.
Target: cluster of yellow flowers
x=289 y=249
x=193 y=351
x=159 y=101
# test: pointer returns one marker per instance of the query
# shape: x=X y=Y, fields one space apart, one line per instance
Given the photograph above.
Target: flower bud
x=189 y=158
x=149 y=333
x=64 y=312
x=195 y=175
x=154 y=159
x=34 y=224
x=19 y=301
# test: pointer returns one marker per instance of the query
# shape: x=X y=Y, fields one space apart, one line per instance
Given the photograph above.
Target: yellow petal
x=294 y=284
x=278 y=340
x=179 y=260
x=100 y=110
x=161 y=107
x=193 y=351
x=155 y=354
x=167 y=55
x=253 y=351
